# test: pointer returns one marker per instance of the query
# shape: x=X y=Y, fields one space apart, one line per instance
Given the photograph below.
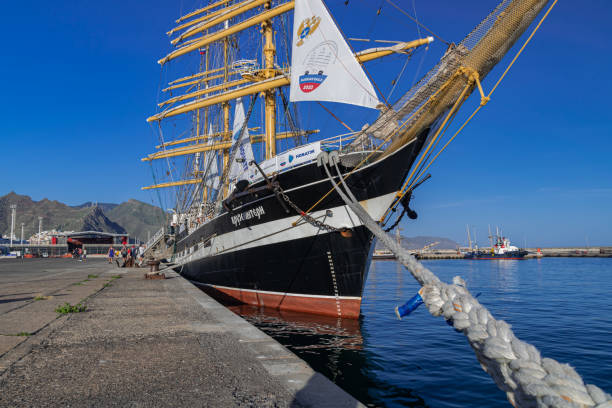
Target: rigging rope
x=399 y=76
x=410 y=183
x=335 y=117
x=418 y=22
x=373 y=152
x=228 y=166
x=362 y=65
x=516 y=366
x=417 y=18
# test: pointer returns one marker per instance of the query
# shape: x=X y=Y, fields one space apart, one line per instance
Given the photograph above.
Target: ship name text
x=256 y=212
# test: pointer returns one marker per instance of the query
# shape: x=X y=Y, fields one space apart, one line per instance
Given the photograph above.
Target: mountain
x=133 y=217
x=55 y=215
x=138 y=218
x=96 y=220
x=420 y=242
x=106 y=207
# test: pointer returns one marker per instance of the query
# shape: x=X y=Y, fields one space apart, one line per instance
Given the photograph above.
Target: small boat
x=383 y=254
x=500 y=250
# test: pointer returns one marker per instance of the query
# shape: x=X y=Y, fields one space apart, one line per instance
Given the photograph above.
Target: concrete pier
x=138 y=343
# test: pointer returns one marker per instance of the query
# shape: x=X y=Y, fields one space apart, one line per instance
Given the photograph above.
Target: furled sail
x=211 y=166
x=323 y=67
x=243 y=144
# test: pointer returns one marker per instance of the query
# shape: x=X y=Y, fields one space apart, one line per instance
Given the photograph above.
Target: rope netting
x=440 y=88
x=517 y=367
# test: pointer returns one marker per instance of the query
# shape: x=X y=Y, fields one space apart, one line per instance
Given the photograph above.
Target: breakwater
x=569 y=252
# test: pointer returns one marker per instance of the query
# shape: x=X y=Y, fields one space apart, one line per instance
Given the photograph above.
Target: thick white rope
x=516 y=367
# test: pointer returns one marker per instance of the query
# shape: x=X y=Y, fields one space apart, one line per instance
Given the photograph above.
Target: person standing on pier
x=141 y=250
x=110 y=254
x=124 y=254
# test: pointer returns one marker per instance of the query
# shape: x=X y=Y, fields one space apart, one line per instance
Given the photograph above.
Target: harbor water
x=560 y=305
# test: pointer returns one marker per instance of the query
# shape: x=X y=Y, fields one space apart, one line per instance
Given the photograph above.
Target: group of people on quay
x=127 y=256
x=80 y=253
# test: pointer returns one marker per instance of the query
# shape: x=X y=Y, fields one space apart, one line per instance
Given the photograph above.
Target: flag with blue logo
x=323 y=67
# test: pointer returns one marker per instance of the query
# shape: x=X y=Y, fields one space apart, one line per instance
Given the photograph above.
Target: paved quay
x=139 y=343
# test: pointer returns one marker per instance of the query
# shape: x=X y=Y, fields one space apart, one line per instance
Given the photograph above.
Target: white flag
x=323 y=67
x=245 y=151
x=212 y=178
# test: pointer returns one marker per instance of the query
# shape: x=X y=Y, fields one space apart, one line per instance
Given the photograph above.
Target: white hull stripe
x=282 y=230
x=275 y=293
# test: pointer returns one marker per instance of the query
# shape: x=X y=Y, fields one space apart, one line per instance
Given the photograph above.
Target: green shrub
x=68 y=308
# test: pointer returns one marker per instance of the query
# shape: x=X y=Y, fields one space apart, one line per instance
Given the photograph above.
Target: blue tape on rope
x=409 y=307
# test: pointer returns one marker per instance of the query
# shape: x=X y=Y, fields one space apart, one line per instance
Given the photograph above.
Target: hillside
x=138 y=218
x=55 y=215
x=106 y=207
x=133 y=217
x=419 y=242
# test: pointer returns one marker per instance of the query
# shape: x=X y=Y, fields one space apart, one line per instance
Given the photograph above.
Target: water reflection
x=331 y=333
x=385 y=362
x=337 y=349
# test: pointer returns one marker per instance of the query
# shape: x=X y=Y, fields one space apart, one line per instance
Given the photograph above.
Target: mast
x=215 y=28
x=269 y=52
x=226 y=111
x=496 y=235
x=467 y=227
x=204 y=186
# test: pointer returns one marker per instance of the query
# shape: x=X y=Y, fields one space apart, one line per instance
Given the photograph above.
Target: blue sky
x=80 y=77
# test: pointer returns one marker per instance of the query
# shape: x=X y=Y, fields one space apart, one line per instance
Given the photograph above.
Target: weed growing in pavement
x=77 y=283
x=68 y=308
x=116 y=277
x=92 y=276
x=107 y=285
x=41 y=298
x=21 y=334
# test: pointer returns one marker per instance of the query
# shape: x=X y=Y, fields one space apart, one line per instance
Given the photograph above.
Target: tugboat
x=500 y=250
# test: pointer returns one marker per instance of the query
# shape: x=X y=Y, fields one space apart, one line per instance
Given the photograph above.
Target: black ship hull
x=257 y=254
x=520 y=254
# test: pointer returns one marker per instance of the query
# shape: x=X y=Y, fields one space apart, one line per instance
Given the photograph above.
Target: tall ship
x=255 y=215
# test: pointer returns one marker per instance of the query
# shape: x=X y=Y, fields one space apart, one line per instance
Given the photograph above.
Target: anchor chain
x=308 y=218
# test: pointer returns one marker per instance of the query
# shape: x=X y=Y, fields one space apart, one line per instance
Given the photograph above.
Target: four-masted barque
x=272 y=231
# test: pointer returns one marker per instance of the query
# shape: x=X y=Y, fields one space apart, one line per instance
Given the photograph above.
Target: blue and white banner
x=285 y=160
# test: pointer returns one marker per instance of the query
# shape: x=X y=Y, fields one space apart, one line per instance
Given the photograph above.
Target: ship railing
x=293 y=157
x=155 y=238
x=336 y=142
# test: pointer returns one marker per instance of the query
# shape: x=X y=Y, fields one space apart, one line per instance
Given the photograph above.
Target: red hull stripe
x=327 y=306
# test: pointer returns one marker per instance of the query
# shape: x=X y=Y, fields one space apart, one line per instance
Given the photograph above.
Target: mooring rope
x=518 y=369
